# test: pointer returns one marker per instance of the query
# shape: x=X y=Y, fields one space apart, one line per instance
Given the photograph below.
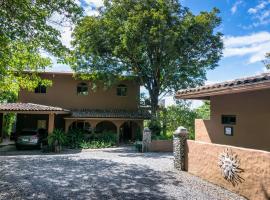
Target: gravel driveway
x=117 y=173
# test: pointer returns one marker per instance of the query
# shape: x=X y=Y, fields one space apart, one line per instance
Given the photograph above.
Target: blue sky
x=245 y=25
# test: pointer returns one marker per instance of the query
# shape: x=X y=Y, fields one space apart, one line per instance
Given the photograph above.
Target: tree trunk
x=154 y=104
x=154 y=124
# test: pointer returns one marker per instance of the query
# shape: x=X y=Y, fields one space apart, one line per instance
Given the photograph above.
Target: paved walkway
x=117 y=173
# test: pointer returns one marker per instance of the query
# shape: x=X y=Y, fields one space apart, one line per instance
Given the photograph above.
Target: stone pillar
x=51 y=123
x=146 y=140
x=179 y=142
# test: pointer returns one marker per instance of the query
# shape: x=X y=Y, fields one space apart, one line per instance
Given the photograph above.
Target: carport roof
x=29 y=107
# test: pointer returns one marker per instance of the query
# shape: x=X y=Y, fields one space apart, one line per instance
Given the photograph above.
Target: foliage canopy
x=182 y=115
x=26 y=29
x=159 y=41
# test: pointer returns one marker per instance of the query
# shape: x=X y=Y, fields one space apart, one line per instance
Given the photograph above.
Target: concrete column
x=179 y=143
x=51 y=123
x=68 y=122
x=93 y=125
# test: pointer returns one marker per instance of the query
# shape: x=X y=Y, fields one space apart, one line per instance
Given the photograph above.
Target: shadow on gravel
x=59 y=177
x=10 y=150
x=130 y=151
x=148 y=155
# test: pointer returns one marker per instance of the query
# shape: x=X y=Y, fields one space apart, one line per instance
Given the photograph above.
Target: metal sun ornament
x=230 y=166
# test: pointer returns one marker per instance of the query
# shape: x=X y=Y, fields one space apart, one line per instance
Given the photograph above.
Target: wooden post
x=51 y=123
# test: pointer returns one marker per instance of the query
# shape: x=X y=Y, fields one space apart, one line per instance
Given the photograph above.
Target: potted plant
x=56 y=140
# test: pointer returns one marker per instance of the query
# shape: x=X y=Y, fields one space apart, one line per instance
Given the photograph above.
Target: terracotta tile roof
x=238 y=85
x=28 y=107
x=88 y=113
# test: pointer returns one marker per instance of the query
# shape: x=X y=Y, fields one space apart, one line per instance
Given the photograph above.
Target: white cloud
x=260 y=14
x=255 y=46
x=259 y=7
x=235 y=6
x=90 y=11
x=96 y=3
x=66 y=27
x=170 y=101
x=91 y=7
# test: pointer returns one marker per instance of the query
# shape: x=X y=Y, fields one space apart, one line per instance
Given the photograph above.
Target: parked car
x=31 y=138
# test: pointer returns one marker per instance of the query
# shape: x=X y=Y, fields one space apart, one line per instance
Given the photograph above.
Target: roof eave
x=206 y=94
x=34 y=112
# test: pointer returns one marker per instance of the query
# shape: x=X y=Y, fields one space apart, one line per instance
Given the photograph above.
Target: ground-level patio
x=126 y=124
x=116 y=173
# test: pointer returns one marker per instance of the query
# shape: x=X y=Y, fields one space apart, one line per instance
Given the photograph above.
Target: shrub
x=79 y=139
x=155 y=127
x=138 y=146
x=138 y=134
x=95 y=144
x=56 y=139
x=57 y=136
x=109 y=137
x=167 y=136
x=74 y=138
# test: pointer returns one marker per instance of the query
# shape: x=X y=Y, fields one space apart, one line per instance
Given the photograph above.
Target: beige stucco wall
x=202 y=161
x=252 y=129
x=63 y=93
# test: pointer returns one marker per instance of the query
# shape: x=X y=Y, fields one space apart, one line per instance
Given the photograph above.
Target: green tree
x=159 y=41
x=267 y=61
x=178 y=115
x=8 y=118
x=26 y=29
x=203 y=112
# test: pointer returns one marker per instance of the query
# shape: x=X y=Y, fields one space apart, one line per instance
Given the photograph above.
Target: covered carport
x=31 y=115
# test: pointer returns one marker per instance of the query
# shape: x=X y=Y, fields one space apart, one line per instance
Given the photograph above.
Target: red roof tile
x=28 y=107
x=204 y=91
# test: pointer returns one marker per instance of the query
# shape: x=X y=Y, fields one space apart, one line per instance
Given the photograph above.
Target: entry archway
x=129 y=132
x=106 y=126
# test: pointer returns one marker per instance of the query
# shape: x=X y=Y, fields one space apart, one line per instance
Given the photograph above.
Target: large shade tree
x=159 y=41
x=27 y=28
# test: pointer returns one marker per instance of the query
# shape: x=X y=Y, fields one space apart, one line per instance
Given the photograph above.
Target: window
x=82 y=89
x=228 y=119
x=121 y=90
x=40 y=89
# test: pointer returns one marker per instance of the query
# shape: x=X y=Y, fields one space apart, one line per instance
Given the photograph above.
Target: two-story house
x=71 y=103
